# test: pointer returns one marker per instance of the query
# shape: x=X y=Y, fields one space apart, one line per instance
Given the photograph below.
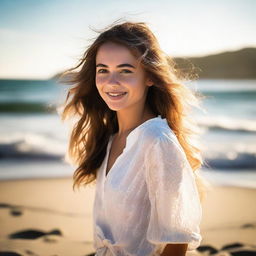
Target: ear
x=149 y=82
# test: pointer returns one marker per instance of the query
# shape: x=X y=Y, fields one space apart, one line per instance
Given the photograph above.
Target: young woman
x=133 y=136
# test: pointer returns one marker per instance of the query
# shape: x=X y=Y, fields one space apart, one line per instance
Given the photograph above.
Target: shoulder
x=158 y=131
x=163 y=150
x=158 y=138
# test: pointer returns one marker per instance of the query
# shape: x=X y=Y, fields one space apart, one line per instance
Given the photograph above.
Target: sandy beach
x=45 y=217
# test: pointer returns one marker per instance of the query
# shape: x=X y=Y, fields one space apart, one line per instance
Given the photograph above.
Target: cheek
x=126 y=81
x=98 y=81
x=135 y=84
x=130 y=81
x=99 y=88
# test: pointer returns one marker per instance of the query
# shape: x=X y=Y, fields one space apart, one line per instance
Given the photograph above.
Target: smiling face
x=120 y=79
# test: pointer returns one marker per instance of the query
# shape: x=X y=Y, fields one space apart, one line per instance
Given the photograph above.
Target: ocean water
x=33 y=140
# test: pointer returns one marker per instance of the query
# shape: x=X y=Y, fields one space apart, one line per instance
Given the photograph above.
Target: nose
x=113 y=80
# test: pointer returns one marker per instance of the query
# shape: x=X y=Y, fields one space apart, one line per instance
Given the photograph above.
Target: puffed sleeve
x=176 y=212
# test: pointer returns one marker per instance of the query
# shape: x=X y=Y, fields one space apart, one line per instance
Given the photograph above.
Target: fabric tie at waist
x=104 y=245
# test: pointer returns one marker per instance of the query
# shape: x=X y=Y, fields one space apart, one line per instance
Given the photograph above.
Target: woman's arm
x=175 y=250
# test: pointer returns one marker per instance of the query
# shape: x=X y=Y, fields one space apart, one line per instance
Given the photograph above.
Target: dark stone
x=4 y=205
x=33 y=234
x=205 y=248
x=248 y=225
x=243 y=253
x=231 y=246
x=9 y=254
x=16 y=212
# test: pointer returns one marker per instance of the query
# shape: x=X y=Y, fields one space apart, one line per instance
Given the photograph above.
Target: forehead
x=114 y=53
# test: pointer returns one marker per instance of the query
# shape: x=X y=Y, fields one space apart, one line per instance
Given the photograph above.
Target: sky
x=39 y=38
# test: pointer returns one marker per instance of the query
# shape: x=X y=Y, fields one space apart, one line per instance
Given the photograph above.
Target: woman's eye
x=126 y=71
x=102 y=71
x=122 y=71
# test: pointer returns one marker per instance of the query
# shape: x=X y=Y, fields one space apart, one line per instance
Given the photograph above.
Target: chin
x=115 y=108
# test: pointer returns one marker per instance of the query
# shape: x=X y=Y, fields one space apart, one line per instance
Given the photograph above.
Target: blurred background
x=39 y=39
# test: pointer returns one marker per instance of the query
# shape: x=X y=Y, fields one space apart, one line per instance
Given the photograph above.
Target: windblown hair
x=96 y=122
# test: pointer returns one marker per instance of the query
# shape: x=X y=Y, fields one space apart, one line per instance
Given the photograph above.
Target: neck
x=127 y=121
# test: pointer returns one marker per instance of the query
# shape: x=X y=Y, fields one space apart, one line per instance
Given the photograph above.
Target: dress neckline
x=128 y=138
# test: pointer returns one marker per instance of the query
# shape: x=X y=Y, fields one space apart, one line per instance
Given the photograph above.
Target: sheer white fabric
x=148 y=198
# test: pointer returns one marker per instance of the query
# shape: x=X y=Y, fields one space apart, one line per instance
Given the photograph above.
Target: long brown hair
x=168 y=97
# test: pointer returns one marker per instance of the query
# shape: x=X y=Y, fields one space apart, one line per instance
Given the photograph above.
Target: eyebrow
x=118 y=66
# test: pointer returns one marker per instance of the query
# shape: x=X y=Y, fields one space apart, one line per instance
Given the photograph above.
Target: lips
x=115 y=94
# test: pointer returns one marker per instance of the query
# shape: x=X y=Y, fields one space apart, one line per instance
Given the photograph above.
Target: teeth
x=115 y=94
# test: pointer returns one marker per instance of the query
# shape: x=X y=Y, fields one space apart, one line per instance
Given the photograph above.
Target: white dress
x=148 y=198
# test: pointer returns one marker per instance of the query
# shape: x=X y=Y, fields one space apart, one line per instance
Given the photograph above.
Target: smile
x=117 y=95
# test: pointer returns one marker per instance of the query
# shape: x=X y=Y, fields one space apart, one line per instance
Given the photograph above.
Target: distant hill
x=239 y=64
